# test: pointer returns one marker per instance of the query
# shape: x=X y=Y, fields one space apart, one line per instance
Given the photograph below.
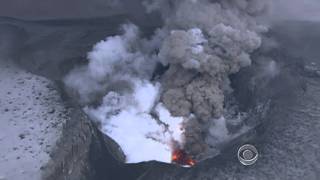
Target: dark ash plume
x=202 y=42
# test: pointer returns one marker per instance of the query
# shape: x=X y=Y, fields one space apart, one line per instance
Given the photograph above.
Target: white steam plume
x=202 y=42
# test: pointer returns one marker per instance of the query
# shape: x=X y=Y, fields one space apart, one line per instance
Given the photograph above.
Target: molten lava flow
x=180 y=157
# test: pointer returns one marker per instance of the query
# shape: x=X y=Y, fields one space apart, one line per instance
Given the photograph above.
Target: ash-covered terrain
x=122 y=100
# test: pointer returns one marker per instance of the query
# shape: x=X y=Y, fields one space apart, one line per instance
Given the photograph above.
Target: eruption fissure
x=182 y=158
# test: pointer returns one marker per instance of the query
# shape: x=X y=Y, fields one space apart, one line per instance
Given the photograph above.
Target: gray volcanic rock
x=82 y=151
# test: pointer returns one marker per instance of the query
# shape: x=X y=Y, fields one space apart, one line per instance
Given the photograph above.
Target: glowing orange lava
x=182 y=158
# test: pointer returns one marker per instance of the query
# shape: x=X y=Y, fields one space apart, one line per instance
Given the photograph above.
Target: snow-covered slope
x=31 y=119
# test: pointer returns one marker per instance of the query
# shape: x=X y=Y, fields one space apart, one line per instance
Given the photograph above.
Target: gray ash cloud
x=202 y=42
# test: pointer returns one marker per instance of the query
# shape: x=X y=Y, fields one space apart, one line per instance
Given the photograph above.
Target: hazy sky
x=297 y=9
x=42 y=9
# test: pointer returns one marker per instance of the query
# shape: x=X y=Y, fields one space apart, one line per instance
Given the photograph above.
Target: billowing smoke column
x=202 y=42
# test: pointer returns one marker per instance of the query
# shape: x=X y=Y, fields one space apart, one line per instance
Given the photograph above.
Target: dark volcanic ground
x=288 y=139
